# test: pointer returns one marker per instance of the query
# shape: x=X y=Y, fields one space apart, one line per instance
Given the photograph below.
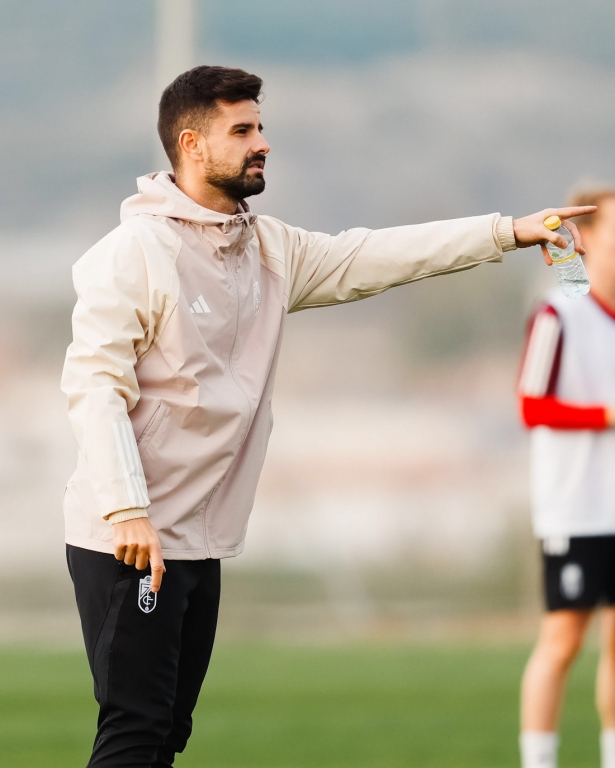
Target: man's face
x=599 y=239
x=234 y=150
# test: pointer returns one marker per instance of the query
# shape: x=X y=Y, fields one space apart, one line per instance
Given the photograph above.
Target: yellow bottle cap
x=553 y=222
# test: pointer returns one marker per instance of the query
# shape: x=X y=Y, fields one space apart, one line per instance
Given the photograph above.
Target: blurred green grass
x=330 y=706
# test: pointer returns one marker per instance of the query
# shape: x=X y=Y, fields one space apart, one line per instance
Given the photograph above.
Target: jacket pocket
x=152 y=427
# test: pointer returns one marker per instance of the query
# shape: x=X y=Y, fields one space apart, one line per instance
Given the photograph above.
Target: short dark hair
x=193 y=96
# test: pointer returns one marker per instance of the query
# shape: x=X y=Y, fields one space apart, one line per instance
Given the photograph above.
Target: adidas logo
x=199 y=306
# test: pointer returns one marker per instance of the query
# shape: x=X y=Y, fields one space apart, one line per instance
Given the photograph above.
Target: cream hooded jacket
x=176 y=336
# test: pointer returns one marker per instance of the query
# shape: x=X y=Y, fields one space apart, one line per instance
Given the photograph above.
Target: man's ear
x=189 y=144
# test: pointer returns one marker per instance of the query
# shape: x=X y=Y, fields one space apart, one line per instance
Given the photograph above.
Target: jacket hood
x=159 y=196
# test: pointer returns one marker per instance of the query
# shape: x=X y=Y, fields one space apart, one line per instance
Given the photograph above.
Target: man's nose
x=262 y=147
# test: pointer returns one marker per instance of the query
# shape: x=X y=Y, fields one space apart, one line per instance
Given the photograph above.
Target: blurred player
x=176 y=337
x=567 y=393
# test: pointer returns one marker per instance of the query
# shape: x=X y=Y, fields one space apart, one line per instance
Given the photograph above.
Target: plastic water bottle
x=567 y=263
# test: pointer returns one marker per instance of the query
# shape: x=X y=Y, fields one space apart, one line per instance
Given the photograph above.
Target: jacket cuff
x=126 y=514
x=506 y=234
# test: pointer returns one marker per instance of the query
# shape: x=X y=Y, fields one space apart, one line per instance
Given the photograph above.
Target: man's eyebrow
x=239 y=126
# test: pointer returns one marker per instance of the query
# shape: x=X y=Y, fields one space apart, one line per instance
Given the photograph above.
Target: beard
x=237 y=184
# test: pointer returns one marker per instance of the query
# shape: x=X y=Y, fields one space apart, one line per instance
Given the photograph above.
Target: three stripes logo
x=200 y=307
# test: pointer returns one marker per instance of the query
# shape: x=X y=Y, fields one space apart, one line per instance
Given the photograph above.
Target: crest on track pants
x=147 y=600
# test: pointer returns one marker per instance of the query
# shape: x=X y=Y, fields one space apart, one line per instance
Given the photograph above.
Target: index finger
x=574 y=210
x=157 y=567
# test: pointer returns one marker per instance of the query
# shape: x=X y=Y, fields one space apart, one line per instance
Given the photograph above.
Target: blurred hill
x=379 y=113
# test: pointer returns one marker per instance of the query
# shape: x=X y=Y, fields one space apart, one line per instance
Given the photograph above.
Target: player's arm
x=538 y=403
x=114 y=319
x=324 y=270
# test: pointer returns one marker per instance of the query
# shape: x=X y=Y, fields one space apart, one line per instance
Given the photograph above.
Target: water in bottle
x=567 y=263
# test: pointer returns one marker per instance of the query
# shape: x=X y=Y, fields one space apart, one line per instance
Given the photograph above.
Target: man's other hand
x=531 y=230
x=136 y=543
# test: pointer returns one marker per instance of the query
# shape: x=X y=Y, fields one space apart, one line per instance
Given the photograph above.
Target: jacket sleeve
x=114 y=322
x=324 y=270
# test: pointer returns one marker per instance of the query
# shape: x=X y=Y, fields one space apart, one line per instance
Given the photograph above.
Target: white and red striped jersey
x=567 y=382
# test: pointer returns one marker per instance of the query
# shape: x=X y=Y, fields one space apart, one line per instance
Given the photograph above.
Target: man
x=177 y=331
x=567 y=392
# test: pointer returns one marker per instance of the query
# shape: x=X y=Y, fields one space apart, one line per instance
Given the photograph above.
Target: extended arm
x=360 y=263
x=321 y=269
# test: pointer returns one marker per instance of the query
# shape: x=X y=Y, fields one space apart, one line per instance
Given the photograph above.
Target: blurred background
x=393 y=508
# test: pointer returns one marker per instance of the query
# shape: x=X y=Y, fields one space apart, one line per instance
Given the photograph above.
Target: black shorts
x=579 y=572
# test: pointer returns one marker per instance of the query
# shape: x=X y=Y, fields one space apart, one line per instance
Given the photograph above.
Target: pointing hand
x=531 y=230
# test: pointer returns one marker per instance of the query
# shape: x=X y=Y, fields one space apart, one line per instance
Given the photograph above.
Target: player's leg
x=542 y=689
x=605 y=687
x=572 y=586
x=133 y=646
x=197 y=639
x=561 y=638
x=605 y=684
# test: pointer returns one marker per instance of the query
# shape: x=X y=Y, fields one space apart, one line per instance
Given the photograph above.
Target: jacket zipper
x=233 y=255
x=230 y=360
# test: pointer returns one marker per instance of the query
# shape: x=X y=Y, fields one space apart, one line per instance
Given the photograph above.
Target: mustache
x=252 y=158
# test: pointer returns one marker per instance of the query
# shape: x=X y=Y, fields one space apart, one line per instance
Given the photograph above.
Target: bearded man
x=169 y=378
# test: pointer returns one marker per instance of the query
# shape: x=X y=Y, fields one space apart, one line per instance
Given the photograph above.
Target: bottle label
x=566 y=258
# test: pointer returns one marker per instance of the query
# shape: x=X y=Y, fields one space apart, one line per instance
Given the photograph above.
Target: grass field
x=384 y=706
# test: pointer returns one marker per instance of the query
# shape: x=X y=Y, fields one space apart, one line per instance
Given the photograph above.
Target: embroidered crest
x=256 y=290
x=147 y=600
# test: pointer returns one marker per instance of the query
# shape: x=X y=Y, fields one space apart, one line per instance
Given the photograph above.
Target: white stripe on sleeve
x=130 y=461
x=540 y=355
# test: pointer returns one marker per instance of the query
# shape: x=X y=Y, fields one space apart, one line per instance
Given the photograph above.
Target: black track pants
x=148 y=658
